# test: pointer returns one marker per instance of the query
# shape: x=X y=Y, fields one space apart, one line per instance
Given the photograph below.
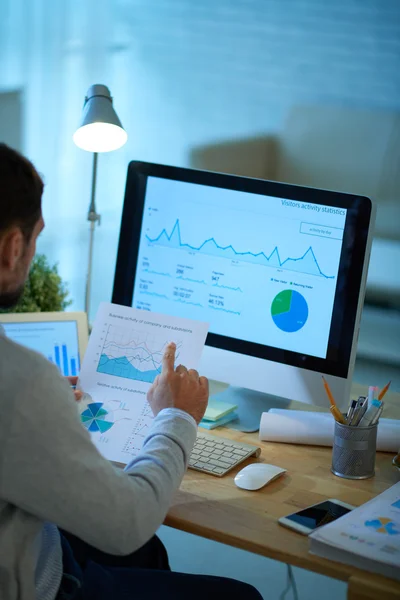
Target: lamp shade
x=100 y=129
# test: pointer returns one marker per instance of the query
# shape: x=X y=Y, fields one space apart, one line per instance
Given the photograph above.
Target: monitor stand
x=251 y=405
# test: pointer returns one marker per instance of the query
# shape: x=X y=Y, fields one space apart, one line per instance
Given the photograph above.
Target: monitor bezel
x=358 y=219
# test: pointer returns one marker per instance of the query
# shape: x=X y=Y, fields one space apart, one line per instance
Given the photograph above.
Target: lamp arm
x=92 y=214
x=93 y=218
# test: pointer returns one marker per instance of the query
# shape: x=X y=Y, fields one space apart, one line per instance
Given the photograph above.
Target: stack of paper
x=218 y=413
x=367 y=538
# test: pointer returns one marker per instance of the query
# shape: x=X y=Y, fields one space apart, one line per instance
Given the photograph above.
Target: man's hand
x=72 y=382
x=178 y=388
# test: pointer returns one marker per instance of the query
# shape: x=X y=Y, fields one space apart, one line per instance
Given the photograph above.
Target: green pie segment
x=289 y=311
x=86 y=419
x=281 y=303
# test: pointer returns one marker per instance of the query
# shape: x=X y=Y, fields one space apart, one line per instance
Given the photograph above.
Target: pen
x=378 y=415
x=337 y=415
x=364 y=406
x=359 y=411
x=350 y=411
x=384 y=390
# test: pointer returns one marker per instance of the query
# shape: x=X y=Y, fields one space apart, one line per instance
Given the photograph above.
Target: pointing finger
x=168 y=361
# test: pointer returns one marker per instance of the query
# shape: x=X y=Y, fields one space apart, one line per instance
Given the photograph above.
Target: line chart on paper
x=134 y=441
x=132 y=353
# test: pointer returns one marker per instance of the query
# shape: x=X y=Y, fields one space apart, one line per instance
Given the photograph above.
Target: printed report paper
x=123 y=358
x=368 y=537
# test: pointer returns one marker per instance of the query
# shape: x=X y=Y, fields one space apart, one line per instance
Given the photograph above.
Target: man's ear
x=12 y=245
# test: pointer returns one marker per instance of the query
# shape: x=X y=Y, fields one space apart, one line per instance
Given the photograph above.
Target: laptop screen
x=57 y=340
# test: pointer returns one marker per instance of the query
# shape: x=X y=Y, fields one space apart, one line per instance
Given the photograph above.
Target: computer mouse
x=255 y=476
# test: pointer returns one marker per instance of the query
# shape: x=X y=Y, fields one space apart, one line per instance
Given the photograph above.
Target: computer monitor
x=61 y=337
x=277 y=270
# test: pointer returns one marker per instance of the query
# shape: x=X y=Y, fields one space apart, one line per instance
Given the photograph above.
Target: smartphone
x=307 y=520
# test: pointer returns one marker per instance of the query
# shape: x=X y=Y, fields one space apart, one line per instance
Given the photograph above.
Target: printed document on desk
x=368 y=537
x=123 y=358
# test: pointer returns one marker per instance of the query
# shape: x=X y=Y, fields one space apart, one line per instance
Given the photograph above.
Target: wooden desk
x=215 y=508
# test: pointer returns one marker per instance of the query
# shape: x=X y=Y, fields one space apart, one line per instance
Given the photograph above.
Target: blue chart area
x=94 y=418
x=123 y=367
x=289 y=311
x=131 y=354
x=307 y=263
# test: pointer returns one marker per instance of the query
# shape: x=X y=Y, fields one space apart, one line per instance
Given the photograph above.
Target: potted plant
x=44 y=290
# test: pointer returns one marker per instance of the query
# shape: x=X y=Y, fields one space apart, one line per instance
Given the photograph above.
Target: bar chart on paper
x=131 y=353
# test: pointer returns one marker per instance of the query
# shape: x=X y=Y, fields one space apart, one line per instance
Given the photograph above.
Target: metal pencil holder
x=354 y=451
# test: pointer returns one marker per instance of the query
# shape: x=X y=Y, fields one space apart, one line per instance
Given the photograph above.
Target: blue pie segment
x=289 y=311
x=94 y=418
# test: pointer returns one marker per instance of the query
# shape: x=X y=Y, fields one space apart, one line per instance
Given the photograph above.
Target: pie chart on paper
x=94 y=418
x=384 y=525
x=289 y=311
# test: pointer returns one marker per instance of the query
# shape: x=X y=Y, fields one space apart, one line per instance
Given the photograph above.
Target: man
x=52 y=476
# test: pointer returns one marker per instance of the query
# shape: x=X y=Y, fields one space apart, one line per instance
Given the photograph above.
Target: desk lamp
x=100 y=130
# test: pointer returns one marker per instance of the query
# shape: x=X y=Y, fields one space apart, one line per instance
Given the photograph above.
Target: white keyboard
x=217 y=455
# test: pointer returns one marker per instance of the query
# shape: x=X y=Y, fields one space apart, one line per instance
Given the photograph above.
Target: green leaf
x=44 y=290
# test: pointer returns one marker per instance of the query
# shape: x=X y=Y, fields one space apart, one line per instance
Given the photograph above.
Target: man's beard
x=10 y=299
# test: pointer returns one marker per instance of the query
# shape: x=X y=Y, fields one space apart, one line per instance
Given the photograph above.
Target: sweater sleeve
x=50 y=468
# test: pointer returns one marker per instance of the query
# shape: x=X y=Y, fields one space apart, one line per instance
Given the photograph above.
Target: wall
x=183 y=74
x=11 y=119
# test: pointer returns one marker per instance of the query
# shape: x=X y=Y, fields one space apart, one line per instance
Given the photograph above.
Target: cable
x=290 y=585
x=293 y=582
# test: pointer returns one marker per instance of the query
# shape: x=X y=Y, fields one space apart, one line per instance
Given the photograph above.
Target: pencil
x=328 y=392
x=337 y=415
x=384 y=390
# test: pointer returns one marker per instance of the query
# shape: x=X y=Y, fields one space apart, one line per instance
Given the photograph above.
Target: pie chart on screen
x=289 y=311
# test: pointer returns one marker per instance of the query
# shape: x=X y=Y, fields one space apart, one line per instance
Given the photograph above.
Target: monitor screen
x=275 y=269
x=260 y=269
x=56 y=340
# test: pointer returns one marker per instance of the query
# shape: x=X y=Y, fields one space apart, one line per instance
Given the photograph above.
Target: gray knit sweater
x=51 y=474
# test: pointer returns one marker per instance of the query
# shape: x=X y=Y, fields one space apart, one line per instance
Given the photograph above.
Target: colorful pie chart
x=289 y=311
x=94 y=418
x=384 y=525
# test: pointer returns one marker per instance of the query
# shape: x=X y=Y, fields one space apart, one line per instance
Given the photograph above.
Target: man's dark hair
x=21 y=189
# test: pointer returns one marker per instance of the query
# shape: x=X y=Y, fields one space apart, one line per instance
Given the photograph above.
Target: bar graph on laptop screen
x=57 y=341
x=261 y=269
